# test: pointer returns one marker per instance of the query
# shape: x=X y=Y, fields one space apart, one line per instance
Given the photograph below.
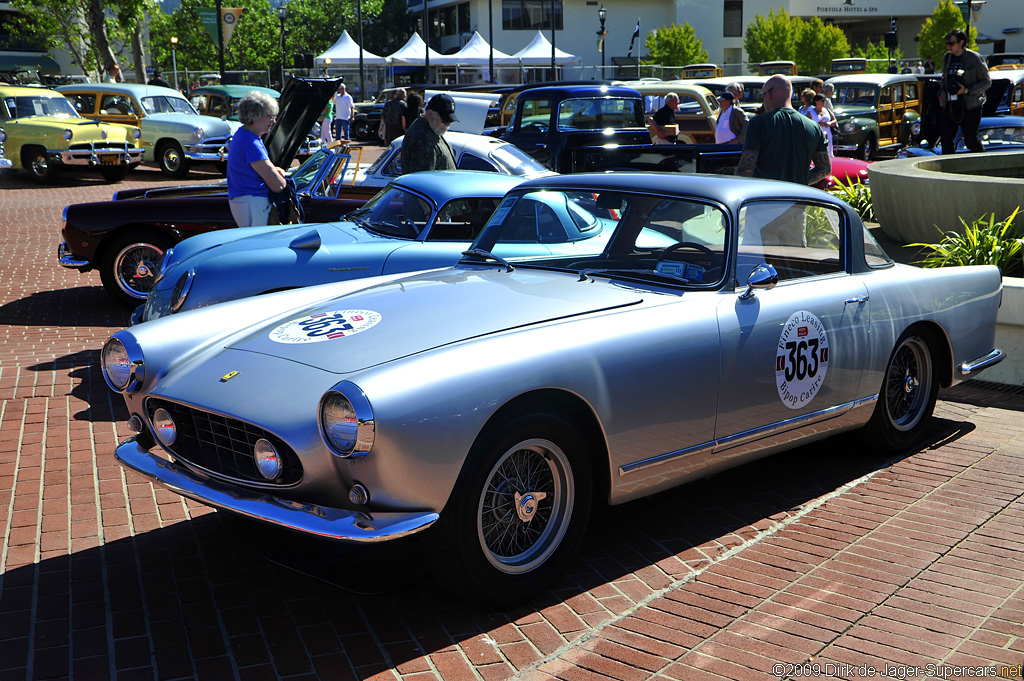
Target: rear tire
x=172 y=160
x=493 y=547
x=868 y=150
x=907 y=397
x=130 y=265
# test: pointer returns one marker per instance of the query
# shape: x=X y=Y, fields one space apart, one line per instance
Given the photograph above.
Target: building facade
x=511 y=24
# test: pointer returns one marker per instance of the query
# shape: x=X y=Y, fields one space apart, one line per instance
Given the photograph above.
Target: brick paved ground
x=823 y=556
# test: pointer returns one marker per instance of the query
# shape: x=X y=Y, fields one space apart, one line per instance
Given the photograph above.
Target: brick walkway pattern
x=824 y=562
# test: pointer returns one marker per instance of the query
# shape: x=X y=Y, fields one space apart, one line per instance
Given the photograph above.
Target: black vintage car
x=125 y=238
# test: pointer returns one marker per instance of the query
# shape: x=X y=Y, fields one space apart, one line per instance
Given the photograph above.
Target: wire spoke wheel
x=908 y=383
x=525 y=506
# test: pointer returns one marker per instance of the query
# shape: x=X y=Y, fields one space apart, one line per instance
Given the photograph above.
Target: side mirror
x=763 y=277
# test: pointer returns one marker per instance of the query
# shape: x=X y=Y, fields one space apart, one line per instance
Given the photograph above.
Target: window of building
x=464 y=18
x=732 y=24
x=530 y=15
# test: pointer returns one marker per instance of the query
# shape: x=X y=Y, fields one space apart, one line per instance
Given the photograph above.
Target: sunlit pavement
x=822 y=562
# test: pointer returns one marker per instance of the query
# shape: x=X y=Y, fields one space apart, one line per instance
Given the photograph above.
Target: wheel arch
x=576 y=411
x=142 y=227
x=940 y=346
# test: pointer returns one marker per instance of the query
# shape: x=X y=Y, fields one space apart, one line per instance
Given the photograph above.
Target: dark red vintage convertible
x=125 y=238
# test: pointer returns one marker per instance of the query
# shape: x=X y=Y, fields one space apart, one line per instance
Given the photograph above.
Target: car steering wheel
x=715 y=260
x=535 y=129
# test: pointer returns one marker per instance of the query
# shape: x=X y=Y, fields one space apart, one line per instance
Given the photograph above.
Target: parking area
x=823 y=562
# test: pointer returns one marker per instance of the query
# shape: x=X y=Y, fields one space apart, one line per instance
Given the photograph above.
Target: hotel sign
x=858 y=8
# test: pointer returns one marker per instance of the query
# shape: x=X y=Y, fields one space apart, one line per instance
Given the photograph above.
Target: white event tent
x=477 y=52
x=414 y=53
x=538 y=53
x=345 y=52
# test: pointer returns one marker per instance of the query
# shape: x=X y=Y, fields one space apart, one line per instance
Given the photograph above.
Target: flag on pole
x=636 y=34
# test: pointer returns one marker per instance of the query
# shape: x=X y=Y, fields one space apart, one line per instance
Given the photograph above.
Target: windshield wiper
x=631 y=274
x=487 y=255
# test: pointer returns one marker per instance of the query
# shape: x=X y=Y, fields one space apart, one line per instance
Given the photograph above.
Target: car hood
x=413 y=314
x=83 y=129
x=301 y=103
x=213 y=126
x=203 y=247
x=847 y=110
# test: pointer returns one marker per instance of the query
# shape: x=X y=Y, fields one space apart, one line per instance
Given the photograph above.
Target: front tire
x=907 y=398
x=130 y=265
x=172 y=160
x=42 y=169
x=868 y=150
x=361 y=130
x=518 y=511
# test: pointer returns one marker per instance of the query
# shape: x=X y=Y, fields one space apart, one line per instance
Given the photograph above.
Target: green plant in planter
x=858 y=195
x=984 y=242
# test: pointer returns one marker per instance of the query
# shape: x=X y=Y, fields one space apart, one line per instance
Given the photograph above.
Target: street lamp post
x=602 y=14
x=174 y=59
x=282 y=14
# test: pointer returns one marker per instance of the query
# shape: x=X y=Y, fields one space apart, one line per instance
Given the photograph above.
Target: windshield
x=600 y=113
x=394 y=212
x=515 y=161
x=1004 y=135
x=861 y=95
x=27 y=106
x=626 y=234
x=159 y=104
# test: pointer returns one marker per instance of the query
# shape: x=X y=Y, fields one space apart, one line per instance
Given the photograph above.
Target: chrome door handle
x=859 y=300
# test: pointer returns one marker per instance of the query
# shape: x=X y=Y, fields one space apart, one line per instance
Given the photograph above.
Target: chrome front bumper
x=66 y=259
x=209 y=150
x=5 y=162
x=328 y=523
x=93 y=155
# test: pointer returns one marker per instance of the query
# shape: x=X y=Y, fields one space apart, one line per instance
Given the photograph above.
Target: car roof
x=445 y=185
x=580 y=91
x=721 y=188
x=873 y=78
x=678 y=86
x=469 y=141
x=1002 y=122
x=137 y=89
x=235 y=90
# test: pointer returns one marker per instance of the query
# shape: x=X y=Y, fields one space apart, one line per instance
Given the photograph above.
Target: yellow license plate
x=109 y=159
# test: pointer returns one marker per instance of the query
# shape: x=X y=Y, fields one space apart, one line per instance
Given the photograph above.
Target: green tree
x=931 y=41
x=315 y=25
x=96 y=33
x=817 y=45
x=674 y=45
x=877 y=55
x=771 y=38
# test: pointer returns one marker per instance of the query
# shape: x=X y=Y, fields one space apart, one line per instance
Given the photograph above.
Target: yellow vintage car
x=697 y=113
x=45 y=135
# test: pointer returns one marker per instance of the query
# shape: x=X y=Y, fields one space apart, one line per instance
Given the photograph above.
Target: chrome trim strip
x=66 y=259
x=739 y=438
x=330 y=523
x=994 y=357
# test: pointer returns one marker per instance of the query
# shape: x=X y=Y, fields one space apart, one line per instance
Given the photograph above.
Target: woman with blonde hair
x=251 y=175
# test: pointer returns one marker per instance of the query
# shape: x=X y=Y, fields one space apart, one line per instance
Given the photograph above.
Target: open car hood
x=301 y=103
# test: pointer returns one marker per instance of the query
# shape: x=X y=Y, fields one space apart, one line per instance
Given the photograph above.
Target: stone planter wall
x=916 y=199
x=1009 y=335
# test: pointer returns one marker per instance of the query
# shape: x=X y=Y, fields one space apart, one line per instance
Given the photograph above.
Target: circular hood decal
x=324 y=326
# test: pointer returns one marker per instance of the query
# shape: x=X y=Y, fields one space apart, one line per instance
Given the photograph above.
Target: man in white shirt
x=344 y=106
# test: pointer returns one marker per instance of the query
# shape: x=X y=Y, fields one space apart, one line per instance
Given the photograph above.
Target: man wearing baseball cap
x=424 y=146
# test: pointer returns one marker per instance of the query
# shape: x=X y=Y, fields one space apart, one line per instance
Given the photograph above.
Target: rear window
x=599 y=113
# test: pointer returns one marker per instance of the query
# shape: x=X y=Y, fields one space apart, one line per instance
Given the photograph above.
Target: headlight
x=198 y=132
x=347 y=421
x=316 y=130
x=68 y=134
x=181 y=289
x=122 y=364
x=136 y=133
x=268 y=462
x=849 y=126
x=915 y=128
x=3 y=136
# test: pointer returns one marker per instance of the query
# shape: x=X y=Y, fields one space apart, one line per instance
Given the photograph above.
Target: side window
x=84 y=103
x=394 y=168
x=473 y=162
x=536 y=117
x=218 y=107
x=199 y=102
x=115 y=105
x=911 y=91
x=800 y=240
x=886 y=96
x=462 y=219
x=897 y=94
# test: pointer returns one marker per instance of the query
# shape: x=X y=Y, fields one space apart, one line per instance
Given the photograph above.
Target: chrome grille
x=224 y=445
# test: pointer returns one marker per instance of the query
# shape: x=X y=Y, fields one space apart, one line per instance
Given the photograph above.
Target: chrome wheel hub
x=526 y=504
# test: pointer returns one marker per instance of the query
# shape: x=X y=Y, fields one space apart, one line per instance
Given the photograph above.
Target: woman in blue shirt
x=251 y=175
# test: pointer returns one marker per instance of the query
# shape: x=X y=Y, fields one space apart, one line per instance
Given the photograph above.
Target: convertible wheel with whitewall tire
x=172 y=160
x=130 y=264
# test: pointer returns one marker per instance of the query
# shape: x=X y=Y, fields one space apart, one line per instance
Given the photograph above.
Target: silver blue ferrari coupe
x=488 y=406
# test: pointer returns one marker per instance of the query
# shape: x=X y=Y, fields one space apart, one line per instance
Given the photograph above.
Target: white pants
x=248 y=210
x=325 y=132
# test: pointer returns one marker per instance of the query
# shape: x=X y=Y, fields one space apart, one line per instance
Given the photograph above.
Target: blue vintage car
x=490 y=405
x=420 y=221
x=996 y=133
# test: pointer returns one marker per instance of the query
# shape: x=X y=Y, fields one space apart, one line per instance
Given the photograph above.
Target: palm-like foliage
x=983 y=242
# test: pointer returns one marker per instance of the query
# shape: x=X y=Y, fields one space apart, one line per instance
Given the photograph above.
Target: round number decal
x=801 y=359
x=324 y=326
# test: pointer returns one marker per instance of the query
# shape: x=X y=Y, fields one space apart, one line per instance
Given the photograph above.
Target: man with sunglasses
x=965 y=78
x=780 y=144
